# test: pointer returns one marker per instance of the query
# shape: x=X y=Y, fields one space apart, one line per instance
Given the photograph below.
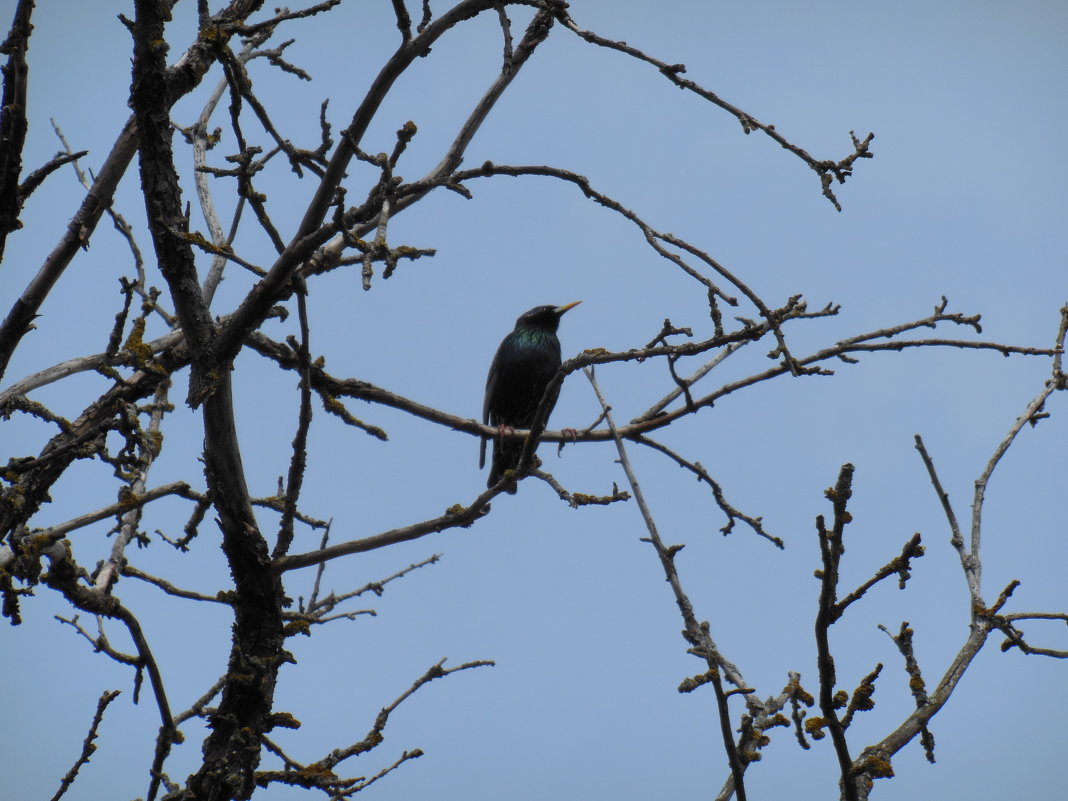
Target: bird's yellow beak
x=561 y=309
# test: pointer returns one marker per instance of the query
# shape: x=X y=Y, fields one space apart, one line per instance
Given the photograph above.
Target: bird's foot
x=502 y=430
x=569 y=434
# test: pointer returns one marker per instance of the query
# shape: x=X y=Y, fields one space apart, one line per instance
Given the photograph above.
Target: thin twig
x=696 y=633
x=128 y=502
x=827 y=170
x=755 y=523
x=298 y=460
x=320 y=774
x=88 y=745
x=917 y=686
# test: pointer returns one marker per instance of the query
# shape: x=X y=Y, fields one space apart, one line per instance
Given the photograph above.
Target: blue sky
x=966 y=198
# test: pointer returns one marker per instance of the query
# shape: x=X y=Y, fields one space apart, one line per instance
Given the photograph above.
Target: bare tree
x=173 y=328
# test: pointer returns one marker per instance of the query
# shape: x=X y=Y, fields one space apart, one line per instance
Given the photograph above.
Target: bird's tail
x=506 y=455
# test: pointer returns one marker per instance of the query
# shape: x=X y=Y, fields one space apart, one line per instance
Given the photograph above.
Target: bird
x=525 y=363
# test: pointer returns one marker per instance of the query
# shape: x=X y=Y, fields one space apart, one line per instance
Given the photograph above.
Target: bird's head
x=544 y=317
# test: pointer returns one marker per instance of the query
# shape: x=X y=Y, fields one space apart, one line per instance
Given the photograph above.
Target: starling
x=522 y=368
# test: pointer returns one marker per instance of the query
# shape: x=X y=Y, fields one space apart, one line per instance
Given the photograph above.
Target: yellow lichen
x=135 y=345
x=296 y=627
x=814 y=726
x=878 y=767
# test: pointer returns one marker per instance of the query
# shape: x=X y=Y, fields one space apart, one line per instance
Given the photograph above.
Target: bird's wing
x=491 y=387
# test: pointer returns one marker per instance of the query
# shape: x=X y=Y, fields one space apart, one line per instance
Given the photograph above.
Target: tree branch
x=13 y=126
x=832 y=547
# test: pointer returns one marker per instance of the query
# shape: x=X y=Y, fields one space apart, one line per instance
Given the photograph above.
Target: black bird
x=522 y=368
